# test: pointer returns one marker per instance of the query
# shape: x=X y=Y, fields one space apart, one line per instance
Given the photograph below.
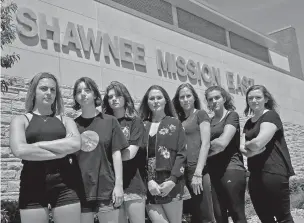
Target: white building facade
x=140 y=43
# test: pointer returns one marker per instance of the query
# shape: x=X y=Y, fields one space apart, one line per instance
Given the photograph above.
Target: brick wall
x=12 y=103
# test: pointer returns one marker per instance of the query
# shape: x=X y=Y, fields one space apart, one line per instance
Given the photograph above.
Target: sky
x=265 y=16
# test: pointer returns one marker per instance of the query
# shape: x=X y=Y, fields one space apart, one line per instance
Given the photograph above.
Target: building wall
x=37 y=56
x=288 y=45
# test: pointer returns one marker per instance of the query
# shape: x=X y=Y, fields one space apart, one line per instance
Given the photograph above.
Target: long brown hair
x=271 y=103
x=228 y=98
x=92 y=86
x=120 y=90
x=179 y=110
x=144 y=110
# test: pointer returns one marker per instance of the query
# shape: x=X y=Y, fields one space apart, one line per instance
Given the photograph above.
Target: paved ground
x=298 y=220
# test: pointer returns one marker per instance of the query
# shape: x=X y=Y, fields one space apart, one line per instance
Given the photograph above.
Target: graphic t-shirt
x=231 y=157
x=275 y=158
x=193 y=135
x=101 y=136
x=134 y=169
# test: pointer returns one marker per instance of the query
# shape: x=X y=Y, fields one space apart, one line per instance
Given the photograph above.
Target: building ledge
x=206 y=12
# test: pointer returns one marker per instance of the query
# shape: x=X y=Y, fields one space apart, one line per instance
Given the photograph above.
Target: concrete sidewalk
x=298 y=220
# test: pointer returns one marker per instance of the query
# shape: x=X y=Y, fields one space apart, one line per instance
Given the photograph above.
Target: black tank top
x=45 y=128
x=151 y=148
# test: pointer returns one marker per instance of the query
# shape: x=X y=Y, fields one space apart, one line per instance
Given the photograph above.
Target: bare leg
x=87 y=217
x=135 y=210
x=38 y=215
x=67 y=214
x=157 y=213
x=174 y=211
x=115 y=216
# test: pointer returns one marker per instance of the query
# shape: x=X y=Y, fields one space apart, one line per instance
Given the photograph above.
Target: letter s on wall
x=27 y=25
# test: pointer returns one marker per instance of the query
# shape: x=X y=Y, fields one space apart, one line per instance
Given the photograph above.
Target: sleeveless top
x=45 y=128
x=152 y=144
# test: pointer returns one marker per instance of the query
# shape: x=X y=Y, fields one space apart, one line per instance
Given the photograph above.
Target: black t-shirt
x=231 y=157
x=134 y=169
x=275 y=158
x=193 y=135
x=101 y=136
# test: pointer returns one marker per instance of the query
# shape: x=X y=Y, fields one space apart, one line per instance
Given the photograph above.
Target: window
x=201 y=27
x=246 y=46
x=158 y=9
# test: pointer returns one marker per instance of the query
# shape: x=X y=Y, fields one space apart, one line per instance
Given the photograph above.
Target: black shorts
x=55 y=189
x=98 y=206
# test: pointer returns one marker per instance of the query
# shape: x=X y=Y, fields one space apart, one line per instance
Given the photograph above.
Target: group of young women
x=164 y=159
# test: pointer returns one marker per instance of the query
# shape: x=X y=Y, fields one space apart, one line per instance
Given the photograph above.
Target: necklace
x=43 y=118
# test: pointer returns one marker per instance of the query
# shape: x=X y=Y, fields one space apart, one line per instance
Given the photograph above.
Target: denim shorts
x=133 y=197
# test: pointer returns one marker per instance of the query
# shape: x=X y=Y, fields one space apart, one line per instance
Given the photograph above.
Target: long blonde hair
x=57 y=107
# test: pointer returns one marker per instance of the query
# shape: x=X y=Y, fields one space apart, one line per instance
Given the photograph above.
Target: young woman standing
x=225 y=161
x=118 y=102
x=99 y=157
x=269 y=163
x=166 y=153
x=45 y=141
x=197 y=128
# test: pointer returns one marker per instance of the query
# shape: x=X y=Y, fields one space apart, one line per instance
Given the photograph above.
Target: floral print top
x=170 y=148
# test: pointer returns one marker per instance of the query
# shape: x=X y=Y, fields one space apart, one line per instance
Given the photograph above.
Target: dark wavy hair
x=120 y=90
x=57 y=107
x=92 y=86
x=229 y=105
x=179 y=110
x=271 y=103
x=144 y=110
